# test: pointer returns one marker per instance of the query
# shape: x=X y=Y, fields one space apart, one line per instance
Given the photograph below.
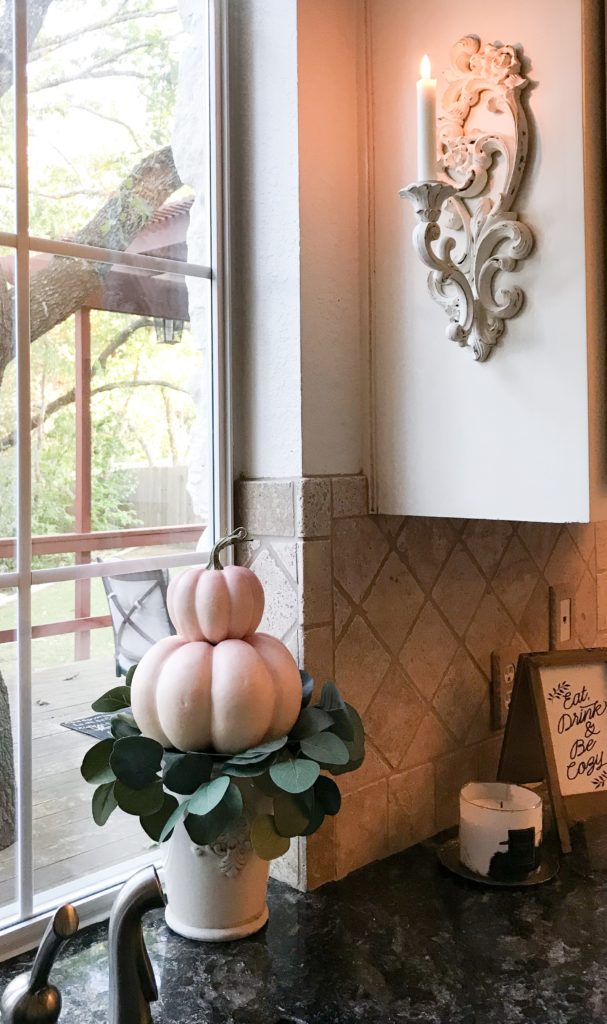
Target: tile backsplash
x=404 y=613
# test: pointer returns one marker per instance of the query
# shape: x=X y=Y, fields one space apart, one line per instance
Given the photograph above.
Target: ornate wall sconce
x=468 y=234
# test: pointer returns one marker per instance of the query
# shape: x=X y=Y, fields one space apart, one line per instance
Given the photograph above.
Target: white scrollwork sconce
x=468 y=234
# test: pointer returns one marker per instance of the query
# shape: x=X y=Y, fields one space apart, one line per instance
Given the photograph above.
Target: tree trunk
x=7 y=772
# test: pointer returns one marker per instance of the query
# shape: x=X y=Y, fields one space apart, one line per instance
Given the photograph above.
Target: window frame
x=93 y=896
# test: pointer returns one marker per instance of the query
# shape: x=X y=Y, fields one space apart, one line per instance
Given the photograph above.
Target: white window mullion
x=25 y=869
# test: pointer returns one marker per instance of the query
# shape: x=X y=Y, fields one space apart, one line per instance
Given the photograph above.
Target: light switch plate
x=562 y=619
x=503 y=671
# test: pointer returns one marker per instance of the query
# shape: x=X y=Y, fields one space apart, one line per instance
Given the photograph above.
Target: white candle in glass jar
x=426 y=123
x=494 y=829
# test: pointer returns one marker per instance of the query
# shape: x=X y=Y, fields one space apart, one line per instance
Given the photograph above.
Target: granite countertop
x=398 y=941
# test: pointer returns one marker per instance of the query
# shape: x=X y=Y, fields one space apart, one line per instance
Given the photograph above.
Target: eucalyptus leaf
x=184 y=773
x=114 y=700
x=208 y=795
x=343 y=725
x=356 y=746
x=316 y=819
x=172 y=820
x=123 y=724
x=343 y=769
x=95 y=766
x=326 y=793
x=104 y=802
x=265 y=785
x=294 y=775
x=140 y=802
x=259 y=753
x=247 y=771
x=128 y=679
x=310 y=721
x=290 y=817
x=307 y=688
x=325 y=747
x=331 y=699
x=136 y=761
x=267 y=841
x=205 y=829
x=153 y=824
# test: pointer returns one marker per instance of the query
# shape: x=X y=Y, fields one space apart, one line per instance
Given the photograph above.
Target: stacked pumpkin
x=218 y=684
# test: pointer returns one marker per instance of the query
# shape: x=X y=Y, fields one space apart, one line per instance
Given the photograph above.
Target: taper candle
x=426 y=123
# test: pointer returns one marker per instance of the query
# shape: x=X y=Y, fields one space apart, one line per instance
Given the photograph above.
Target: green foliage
x=139 y=776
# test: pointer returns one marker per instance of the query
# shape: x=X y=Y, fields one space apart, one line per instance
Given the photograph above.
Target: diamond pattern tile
x=582 y=534
x=491 y=627
x=430 y=741
x=539 y=539
x=486 y=540
x=515 y=580
x=428 y=651
x=460 y=693
x=394 y=716
x=425 y=545
x=360 y=664
x=534 y=623
x=565 y=564
x=393 y=603
x=342 y=610
x=459 y=590
x=359 y=548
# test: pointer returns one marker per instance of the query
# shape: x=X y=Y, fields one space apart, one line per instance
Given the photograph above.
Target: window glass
x=8 y=769
x=7 y=115
x=8 y=413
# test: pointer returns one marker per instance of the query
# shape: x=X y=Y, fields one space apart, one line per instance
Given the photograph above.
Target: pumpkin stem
x=224 y=542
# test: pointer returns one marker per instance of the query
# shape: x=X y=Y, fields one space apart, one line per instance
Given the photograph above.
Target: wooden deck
x=67 y=843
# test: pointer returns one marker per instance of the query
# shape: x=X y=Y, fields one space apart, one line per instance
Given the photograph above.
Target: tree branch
x=55 y=42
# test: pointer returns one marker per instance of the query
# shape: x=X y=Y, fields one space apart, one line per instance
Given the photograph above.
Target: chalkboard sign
x=557 y=730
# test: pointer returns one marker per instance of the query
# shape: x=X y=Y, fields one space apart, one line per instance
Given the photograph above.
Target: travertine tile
x=371 y=770
x=265 y=507
x=534 y=623
x=428 y=650
x=245 y=552
x=280 y=613
x=516 y=578
x=359 y=548
x=480 y=727
x=313 y=506
x=360 y=664
x=585 y=605
x=425 y=545
x=430 y=741
x=394 y=716
x=583 y=536
x=539 y=539
x=488 y=758
x=451 y=773
x=491 y=627
x=601 y=546
x=286 y=553
x=361 y=828
x=601 y=600
x=342 y=611
x=316 y=648
x=460 y=693
x=459 y=590
x=389 y=525
x=291 y=867
x=394 y=603
x=486 y=540
x=320 y=855
x=315 y=581
x=349 y=496
x=565 y=564
x=410 y=807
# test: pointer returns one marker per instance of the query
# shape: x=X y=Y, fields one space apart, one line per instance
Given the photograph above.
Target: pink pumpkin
x=226 y=697
x=214 y=603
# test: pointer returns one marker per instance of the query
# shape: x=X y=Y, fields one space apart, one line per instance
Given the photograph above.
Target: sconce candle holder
x=467 y=233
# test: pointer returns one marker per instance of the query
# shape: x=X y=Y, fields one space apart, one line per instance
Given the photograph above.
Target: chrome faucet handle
x=29 y=998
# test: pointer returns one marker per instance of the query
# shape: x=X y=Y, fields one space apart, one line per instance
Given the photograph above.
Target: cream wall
x=507 y=439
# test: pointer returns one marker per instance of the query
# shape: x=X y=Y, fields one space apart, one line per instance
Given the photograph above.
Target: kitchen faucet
x=30 y=999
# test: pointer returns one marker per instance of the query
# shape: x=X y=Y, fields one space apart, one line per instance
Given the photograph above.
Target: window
x=112 y=394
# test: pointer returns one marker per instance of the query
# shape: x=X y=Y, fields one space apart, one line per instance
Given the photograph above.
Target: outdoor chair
x=140 y=617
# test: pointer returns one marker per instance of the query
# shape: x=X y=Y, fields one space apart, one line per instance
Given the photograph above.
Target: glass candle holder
x=500 y=830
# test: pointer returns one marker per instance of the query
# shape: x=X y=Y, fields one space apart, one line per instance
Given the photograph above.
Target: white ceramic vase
x=218 y=892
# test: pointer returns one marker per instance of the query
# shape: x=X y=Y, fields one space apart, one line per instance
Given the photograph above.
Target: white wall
x=265 y=191
x=507 y=438
x=331 y=174
x=296 y=176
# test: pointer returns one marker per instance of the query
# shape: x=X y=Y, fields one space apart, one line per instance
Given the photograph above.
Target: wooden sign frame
x=528 y=753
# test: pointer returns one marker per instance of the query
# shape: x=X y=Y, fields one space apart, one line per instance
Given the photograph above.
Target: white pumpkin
x=225 y=697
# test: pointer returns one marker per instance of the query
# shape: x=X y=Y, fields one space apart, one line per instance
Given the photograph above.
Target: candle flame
x=425 y=67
